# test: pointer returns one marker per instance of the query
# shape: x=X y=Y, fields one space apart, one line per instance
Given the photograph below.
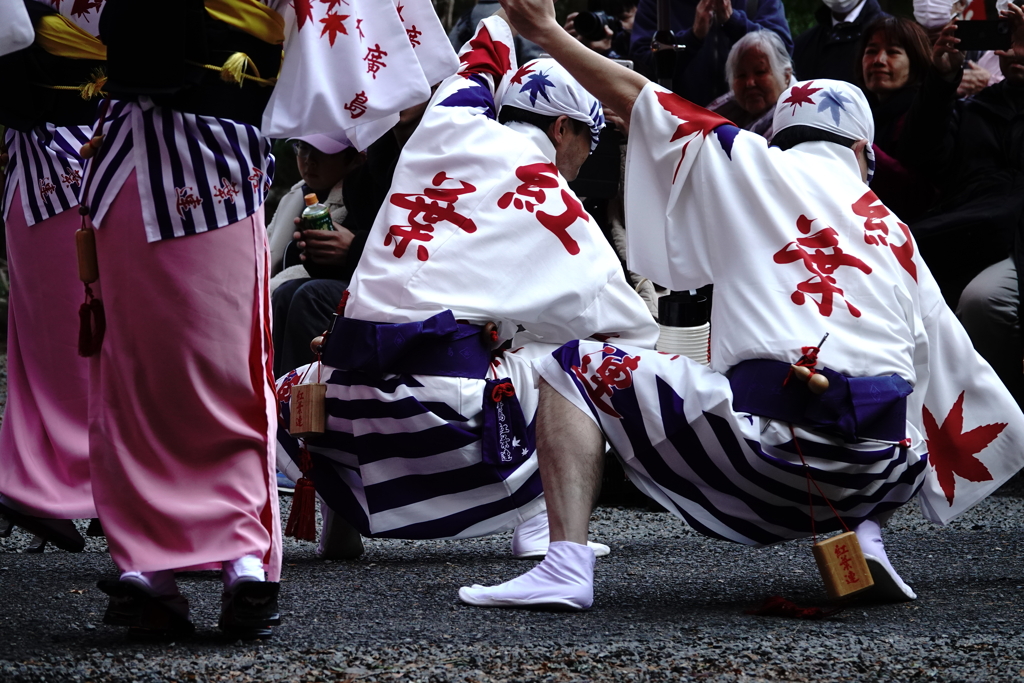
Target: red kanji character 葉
x=434 y=205
x=821 y=255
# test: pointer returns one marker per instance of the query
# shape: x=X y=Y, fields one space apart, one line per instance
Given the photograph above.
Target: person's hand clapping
x=723 y=11
x=703 y=17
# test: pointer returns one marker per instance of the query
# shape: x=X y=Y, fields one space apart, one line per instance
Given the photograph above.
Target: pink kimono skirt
x=44 y=443
x=182 y=405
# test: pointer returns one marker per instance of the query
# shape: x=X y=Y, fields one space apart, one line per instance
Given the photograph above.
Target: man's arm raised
x=616 y=86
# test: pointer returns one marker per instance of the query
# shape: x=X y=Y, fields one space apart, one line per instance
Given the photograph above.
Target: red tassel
x=302 y=520
x=92 y=325
x=778 y=606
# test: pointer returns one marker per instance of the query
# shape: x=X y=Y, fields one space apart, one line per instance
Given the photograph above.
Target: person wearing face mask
x=973 y=150
x=829 y=49
x=894 y=58
x=758 y=70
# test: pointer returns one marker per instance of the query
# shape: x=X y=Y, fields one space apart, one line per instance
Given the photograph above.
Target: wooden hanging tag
x=842 y=565
x=307 y=409
x=85 y=243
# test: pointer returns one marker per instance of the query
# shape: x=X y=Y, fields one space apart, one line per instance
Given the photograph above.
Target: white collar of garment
x=843 y=156
x=852 y=16
x=539 y=137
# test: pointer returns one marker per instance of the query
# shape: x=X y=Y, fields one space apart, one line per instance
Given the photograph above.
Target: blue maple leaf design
x=835 y=102
x=478 y=97
x=727 y=136
x=537 y=84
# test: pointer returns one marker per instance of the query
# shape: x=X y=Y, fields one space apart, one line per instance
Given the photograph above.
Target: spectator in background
x=758 y=70
x=311 y=268
x=465 y=27
x=829 y=49
x=617 y=29
x=709 y=29
x=974 y=152
x=894 y=58
x=981 y=69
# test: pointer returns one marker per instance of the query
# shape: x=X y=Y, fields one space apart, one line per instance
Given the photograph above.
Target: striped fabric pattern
x=683 y=445
x=196 y=173
x=401 y=458
x=46 y=166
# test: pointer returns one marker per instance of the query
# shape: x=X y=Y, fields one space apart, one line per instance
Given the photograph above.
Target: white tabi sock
x=248 y=568
x=564 y=580
x=154 y=583
x=889 y=587
x=530 y=539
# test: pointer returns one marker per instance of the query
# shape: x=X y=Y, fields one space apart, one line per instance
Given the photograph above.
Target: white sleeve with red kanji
x=350 y=62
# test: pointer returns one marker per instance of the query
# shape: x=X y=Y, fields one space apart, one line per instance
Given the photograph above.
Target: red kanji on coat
x=876 y=231
x=613 y=374
x=434 y=205
x=537 y=179
x=821 y=254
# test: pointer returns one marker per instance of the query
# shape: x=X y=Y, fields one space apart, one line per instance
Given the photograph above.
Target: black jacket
x=973 y=151
x=826 y=51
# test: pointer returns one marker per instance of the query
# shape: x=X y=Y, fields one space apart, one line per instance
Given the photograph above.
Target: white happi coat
x=478 y=222
x=797 y=246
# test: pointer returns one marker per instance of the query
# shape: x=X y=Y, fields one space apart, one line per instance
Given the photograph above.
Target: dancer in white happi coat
x=429 y=429
x=182 y=405
x=44 y=455
x=797 y=246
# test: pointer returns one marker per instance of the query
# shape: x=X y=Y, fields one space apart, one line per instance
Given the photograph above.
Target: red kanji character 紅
x=871 y=208
x=536 y=180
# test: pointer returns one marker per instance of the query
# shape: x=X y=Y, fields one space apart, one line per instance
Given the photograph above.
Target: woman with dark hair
x=894 y=59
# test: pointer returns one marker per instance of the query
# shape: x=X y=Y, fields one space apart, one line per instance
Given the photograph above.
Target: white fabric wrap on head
x=836 y=106
x=544 y=86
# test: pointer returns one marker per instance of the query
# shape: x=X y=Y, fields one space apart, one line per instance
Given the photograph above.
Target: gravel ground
x=669 y=606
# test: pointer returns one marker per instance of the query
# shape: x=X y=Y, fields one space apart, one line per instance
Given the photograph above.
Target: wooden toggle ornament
x=307 y=409
x=842 y=565
x=306 y=404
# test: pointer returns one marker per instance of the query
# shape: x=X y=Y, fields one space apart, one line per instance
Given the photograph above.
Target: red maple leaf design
x=333 y=25
x=399 y=9
x=951 y=450
x=486 y=55
x=694 y=119
x=303 y=11
x=524 y=70
x=800 y=95
x=331 y=4
x=83 y=7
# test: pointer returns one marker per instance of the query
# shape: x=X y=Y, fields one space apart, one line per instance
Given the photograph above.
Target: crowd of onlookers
x=948 y=146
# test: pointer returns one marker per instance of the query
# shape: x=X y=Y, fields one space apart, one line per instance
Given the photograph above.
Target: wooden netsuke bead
x=90 y=148
x=315 y=345
x=818 y=383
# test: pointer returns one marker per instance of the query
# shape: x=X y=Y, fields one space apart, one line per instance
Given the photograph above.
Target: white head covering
x=544 y=86
x=834 y=106
x=328 y=144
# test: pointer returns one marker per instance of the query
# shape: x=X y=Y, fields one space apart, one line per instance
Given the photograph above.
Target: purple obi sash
x=435 y=346
x=853 y=408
